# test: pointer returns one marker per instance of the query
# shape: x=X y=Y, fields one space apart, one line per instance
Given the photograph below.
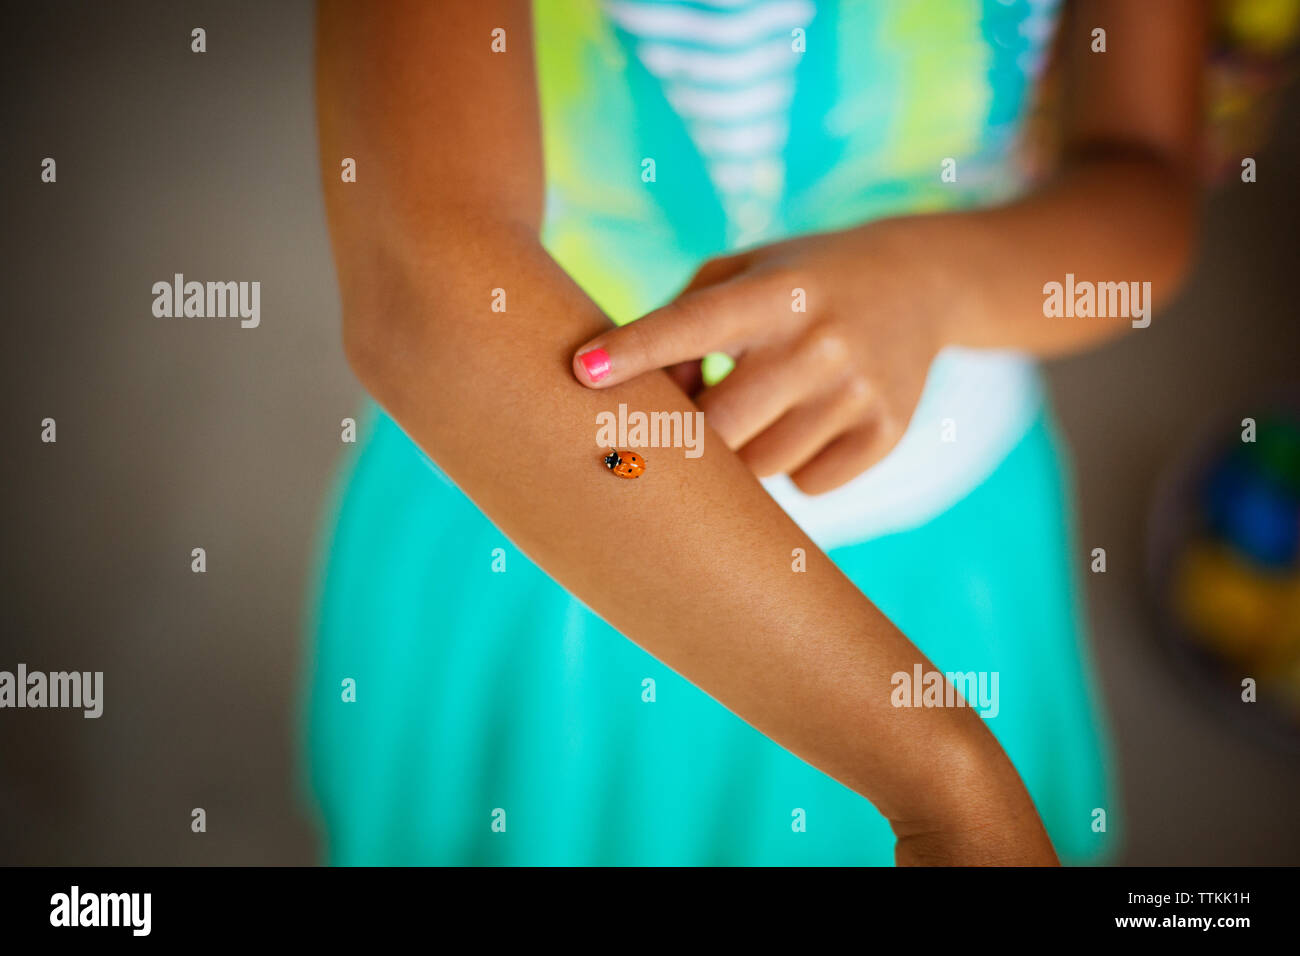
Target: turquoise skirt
x=463 y=708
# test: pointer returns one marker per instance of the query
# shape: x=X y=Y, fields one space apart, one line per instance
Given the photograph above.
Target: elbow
x=367 y=346
x=380 y=322
x=359 y=349
x=1181 y=248
x=1171 y=198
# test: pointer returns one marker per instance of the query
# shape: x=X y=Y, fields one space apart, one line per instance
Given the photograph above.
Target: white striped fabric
x=727 y=69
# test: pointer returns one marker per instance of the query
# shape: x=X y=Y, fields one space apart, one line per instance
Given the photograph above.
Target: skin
x=412 y=91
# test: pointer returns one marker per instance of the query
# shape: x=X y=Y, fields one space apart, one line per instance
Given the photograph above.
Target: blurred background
x=174 y=435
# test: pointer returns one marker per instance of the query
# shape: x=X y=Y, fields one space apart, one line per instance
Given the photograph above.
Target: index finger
x=717 y=318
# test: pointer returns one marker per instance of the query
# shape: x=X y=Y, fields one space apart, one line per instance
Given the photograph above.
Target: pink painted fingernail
x=596 y=362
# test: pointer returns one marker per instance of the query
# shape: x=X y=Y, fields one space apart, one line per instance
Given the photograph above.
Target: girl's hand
x=832 y=334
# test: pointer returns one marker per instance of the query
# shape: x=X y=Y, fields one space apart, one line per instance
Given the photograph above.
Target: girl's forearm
x=693 y=560
x=1120 y=218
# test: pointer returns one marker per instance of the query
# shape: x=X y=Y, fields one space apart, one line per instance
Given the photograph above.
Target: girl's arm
x=692 y=560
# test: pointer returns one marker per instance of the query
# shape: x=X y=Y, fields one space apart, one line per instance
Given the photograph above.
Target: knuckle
x=713 y=268
x=782 y=284
x=702 y=274
x=889 y=427
x=786 y=278
x=826 y=345
x=858 y=391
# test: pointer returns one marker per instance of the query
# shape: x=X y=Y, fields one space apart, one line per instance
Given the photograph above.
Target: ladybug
x=626 y=464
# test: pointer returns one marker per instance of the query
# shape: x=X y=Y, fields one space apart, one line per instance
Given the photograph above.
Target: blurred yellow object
x=1265 y=27
x=1243 y=612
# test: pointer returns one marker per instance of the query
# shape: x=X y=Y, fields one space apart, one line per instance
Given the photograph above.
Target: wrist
x=949 y=282
x=975 y=810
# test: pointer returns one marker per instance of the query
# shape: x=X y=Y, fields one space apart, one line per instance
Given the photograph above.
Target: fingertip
x=592 y=365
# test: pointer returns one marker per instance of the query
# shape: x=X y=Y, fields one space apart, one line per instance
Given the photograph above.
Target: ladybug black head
x=612 y=460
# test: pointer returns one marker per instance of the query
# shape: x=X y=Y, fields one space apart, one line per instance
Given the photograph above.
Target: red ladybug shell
x=625 y=464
